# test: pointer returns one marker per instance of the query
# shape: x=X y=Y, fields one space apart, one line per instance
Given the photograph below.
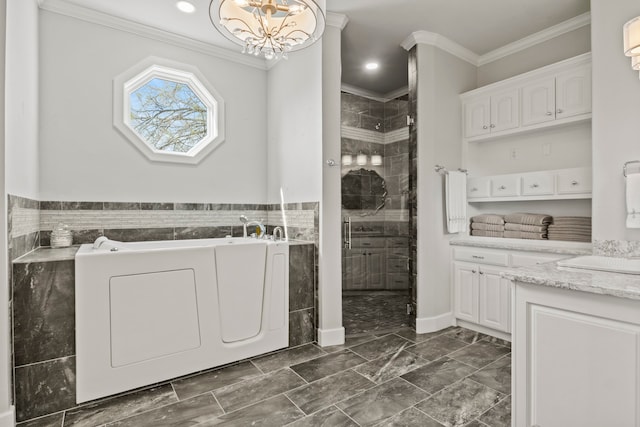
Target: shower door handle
x=346 y=228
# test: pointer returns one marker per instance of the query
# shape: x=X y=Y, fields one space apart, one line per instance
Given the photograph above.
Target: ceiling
x=377 y=27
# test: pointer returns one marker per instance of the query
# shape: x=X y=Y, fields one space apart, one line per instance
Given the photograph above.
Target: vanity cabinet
x=550 y=96
x=576 y=359
x=492 y=113
x=376 y=263
x=481 y=296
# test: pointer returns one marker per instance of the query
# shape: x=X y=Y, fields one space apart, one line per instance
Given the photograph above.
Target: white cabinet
x=537 y=184
x=558 y=97
x=466 y=289
x=490 y=114
x=574 y=181
x=505 y=185
x=576 y=359
x=553 y=95
x=478 y=187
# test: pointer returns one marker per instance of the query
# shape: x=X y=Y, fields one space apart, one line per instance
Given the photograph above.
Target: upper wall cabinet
x=553 y=95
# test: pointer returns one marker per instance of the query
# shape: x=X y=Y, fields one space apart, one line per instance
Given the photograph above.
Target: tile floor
x=374 y=312
x=454 y=377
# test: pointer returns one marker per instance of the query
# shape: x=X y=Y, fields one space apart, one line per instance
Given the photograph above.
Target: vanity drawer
x=397 y=242
x=574 y=181
x=397 y=265
x=527 y=260
x=368 y=242
x=469 y=255
x=398 y=280
x=505 y=186
x=537 y=184
x=478 y=187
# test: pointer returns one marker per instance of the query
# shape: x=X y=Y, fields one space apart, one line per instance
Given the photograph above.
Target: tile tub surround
x=596 y=282
x=267 y=390
x=44 y=330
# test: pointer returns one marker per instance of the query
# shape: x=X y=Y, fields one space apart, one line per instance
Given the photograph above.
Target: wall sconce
x=361 y=159
x=376 y=159
x=631 y=37
x=347 y=159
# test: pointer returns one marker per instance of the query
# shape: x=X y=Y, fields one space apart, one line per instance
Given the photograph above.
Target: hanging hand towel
x=456 y=201
x=633 y=200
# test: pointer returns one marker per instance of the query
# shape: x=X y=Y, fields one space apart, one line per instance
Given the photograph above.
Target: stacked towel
x=527 y=226
x=487 y=225
x=571 y=228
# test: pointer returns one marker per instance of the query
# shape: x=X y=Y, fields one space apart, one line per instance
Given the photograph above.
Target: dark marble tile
x=78 y=236
x=480 y=354
x=120 y=407
x=186 y=413
x=45 y=388
x=327 y=365
x=156 y=206
x=43 y=311
x=496 y=375
x=466 y=335
x=278 y=411
x=54 y=420
x=288 y=357
x=184 y=233
x=328 y=417
x=381 y=346
x=121 y=206
x=499 y=415
x=301 y=276
x=374 y=312
x=301 y=327
x=410 y=418
x=50 y=206
x=76 y=206
x=390 y=366
x=213 y=380
x=437 y=347
x=439 y=374
x=349 y=342
x=498 y=341
x=253 y=390
x=139 y=234
x=191 y=206
x=475 y=423
x=411 y=334
x=20 y=245
x=461 y=403
x=329 y=390
x=382 y=402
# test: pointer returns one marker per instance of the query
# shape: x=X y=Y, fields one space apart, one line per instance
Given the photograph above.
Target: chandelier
x=272 y=28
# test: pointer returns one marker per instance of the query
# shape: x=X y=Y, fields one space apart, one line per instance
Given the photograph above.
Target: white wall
x=565 y=46
x=616 y=112
x=294 y=105
x=21 y=98
x=441 y=78
x=83 y=157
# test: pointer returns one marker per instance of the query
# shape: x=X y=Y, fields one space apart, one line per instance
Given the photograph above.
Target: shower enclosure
x=375 y=183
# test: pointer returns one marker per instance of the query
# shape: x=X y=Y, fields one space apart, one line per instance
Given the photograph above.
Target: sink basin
x=603 y=263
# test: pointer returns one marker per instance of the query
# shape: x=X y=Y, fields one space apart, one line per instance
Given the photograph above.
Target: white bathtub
x=152 y=311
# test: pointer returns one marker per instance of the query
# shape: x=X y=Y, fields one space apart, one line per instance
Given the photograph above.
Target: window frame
x=153 y=67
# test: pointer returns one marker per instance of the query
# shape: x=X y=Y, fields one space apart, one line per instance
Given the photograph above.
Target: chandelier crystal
x=272 y=28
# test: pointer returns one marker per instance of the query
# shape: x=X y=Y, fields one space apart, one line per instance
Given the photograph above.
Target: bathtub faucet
x=260 y=229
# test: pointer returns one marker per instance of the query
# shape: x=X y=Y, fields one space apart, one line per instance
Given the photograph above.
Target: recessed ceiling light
x=185 y=6
x=371 y=65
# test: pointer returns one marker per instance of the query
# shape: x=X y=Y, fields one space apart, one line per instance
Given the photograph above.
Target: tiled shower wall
x=43 y=291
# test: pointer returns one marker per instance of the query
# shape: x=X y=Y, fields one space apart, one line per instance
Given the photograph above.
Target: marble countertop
x=46 y=254
x=548 y=246
x=596 y=282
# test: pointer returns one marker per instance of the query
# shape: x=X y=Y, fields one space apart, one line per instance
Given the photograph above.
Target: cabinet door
x=495 y=300
x=478 y=187
x=573 y=92
x=476 y=116
x=574 y=181
x=355 y=276
x=505 y=109
x=465 y=288
x=376 y=269
x=505 y=185
x=537 y=184
x=538 y=102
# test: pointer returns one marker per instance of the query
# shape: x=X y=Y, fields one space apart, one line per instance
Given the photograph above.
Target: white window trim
x=153 y=67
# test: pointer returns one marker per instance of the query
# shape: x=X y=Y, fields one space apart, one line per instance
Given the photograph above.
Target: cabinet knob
x=559 y=111
x=574 y=183
x=534 y=186
x=492 y=125
x=549 y=113
x=481 y=272
x=473 y=271
x=484 y=127
x=474 y=189
x=502 y=187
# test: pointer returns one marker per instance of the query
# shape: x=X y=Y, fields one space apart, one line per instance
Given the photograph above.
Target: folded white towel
x=633 y=200
x=456 y=201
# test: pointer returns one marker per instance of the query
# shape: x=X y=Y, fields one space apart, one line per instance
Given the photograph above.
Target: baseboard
x=8 y=419
x=329 y=337
x=433 y=324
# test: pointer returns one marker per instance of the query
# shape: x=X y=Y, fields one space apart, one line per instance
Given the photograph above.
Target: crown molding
x=536 y=38
x=337 y=20
x=374 y=96
x=62 y=7
x=442 y=43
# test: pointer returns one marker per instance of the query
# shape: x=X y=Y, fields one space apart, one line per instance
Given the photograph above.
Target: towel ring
x=624 y=168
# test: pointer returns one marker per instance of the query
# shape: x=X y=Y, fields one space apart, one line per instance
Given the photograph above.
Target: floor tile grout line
x=257 y=367
x=494 y=405
x=218 y=402
x=422 y=412
x=304 y=414
x=347 y=415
